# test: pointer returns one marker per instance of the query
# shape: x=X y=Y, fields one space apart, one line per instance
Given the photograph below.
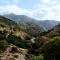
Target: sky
x=38 y=9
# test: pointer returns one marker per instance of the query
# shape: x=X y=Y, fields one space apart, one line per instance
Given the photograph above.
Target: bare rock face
x=14 y=53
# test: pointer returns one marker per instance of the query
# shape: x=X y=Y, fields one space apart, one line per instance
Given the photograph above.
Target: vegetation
x=12 y=39
x=34 y=57
x=37 y=50
x=52 y=49
x=3 y=45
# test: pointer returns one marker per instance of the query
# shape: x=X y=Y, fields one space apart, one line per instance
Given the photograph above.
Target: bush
x=33 y=57
x=52 y=49
x=16 y=41
x=2 y=36
x=37 y=58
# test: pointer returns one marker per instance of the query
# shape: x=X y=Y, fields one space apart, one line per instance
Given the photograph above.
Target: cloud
x=44 y=10
x=48 y=10
x=14 y=9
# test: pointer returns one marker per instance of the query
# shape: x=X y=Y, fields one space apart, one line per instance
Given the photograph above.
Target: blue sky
x=21 y=3
x=38 y=9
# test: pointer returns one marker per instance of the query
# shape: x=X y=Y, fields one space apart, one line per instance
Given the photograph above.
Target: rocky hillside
x=31 y=28
x=13 y=42
x=13 y=52
x=28 y=41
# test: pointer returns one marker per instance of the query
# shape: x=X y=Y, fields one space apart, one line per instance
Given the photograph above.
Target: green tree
x=12 y=39
x=52 y=50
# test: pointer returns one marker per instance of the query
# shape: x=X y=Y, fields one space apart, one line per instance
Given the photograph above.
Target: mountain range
x=29 y=28
x=46 y=24
x=29 y=39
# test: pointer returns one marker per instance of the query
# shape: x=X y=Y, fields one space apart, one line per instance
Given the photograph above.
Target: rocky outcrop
x=14 y=53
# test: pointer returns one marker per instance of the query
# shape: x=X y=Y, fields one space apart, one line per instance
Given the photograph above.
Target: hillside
x=31 y=28
x=46 y=24
x=49 y=24
x=7 y=21
x=54 y=32
x=13 y=42
x=28 y=41
x=52 y=47
x=27 y=24
x=47 y=47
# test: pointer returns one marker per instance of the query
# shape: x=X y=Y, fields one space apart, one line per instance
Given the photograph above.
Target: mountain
x=22 y=40
x=54 y=32
x=19 y=18
x=46 y=24
x=7 y=21
x=9 y=48
x=49 y=23
x=6 y=24
x=28 y=28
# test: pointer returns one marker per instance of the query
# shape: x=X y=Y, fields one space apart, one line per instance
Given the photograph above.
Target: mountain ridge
x=46 y=24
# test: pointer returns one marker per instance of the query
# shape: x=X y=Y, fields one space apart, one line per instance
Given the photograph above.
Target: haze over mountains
x=46 y=24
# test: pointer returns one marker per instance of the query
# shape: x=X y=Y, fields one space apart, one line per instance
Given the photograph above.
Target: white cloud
x=45 y=1
x=14 y=9
x=46 y=9
x=49 y=10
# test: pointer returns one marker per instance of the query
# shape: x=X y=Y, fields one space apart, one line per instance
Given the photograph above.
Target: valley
x=24 y=38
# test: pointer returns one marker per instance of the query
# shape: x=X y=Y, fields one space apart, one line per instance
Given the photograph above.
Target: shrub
x=52 y=49
x=33 y=57
x=17 y=41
